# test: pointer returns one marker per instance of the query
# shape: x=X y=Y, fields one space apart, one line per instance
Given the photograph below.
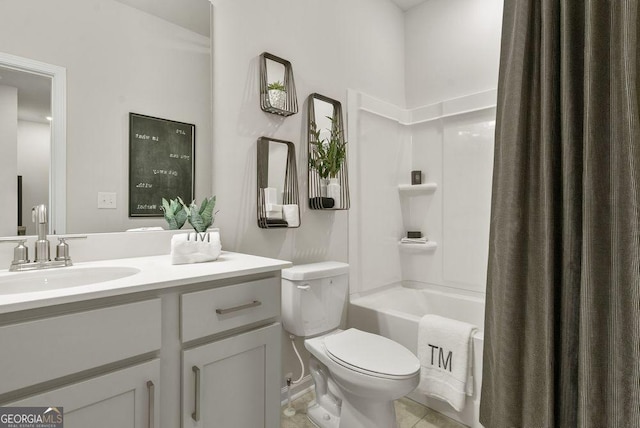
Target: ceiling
x=190 y=14
x=34 y=93
x=407 y=4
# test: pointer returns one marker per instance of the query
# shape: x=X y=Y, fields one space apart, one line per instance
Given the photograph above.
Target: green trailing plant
x=276 y=86
x=327 y=155
x=200 y=218
x=174 y=213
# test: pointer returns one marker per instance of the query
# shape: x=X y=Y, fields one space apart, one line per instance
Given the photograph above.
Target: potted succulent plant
x=277 y=94
x=202 y=246
x=174 y=213
x=326 y=158
x=200 y=218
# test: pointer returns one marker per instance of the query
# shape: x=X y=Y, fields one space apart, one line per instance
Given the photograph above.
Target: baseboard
x=297 y=390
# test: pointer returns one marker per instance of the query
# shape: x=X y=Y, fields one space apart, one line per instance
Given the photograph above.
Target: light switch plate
x=106 y=200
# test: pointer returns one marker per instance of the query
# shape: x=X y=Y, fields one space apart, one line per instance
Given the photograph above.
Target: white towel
x=274 y=211
x=270 y=195
x=445 y=351
x=291 y=215
x=195 y=247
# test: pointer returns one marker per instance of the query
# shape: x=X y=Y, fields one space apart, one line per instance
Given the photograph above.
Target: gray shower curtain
x=562 y=327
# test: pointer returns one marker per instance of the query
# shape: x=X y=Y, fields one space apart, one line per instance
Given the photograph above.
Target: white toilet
x=357 y=375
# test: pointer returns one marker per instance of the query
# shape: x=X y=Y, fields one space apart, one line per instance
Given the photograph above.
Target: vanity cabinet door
x=233 y=382
x=126 y=398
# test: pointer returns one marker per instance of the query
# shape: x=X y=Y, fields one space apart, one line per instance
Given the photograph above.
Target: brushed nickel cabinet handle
x=238 y=308
x=196 y=412
x=151 y=388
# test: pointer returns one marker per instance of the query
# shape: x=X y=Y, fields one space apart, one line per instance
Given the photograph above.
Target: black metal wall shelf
x=328 y=185
x=277 y=196
x=281 y=99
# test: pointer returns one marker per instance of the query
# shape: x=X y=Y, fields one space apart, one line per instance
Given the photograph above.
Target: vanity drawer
x=49 y=348
x=213 y=311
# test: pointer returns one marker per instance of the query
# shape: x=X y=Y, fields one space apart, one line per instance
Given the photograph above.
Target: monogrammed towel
x=195 y=247
x=445 y=351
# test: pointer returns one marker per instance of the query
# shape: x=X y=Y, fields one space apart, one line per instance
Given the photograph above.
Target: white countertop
x=156 y=273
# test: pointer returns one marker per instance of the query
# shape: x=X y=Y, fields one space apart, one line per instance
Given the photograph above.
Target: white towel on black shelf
x=445 y=351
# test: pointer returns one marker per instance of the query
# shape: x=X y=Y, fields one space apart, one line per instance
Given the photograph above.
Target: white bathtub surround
x=452 y=143
x=395 y=311
x=194 y=247
x=291 y=214
x=445 y=350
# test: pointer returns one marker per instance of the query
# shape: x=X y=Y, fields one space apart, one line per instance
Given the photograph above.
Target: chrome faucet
x=42 y=246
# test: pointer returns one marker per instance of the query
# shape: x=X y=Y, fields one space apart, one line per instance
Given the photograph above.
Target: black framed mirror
x=277 y=195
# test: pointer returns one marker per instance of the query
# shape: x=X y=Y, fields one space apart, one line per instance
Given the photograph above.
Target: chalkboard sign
x=161 y=163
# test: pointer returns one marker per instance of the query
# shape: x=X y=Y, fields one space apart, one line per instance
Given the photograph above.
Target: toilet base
x=360 y=412
x=321 y=418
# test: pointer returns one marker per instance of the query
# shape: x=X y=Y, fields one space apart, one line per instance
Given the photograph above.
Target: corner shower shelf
x=415 y=189
x=428 y=246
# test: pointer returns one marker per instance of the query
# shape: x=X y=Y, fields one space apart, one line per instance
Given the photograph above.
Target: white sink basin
x=51 y=279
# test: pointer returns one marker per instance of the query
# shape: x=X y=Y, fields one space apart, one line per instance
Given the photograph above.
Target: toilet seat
x=371 y=354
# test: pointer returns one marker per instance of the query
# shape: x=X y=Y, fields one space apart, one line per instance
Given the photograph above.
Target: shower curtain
x=562 y=328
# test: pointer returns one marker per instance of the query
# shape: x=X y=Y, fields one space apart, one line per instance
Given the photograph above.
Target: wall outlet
x=106 y=200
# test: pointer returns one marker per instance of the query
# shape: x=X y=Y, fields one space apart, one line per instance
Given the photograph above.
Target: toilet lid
x=372 y=354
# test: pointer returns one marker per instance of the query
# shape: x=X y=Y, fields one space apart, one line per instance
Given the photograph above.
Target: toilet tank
x=313 y=297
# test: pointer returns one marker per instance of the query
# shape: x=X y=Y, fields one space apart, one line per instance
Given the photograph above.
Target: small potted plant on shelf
x=277 y=94
x=326 y=158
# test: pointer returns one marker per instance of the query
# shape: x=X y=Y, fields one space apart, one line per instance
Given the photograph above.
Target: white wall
x=34 y=142
x=8 y=156
x=332 y=45
x=118 y=60
x=453 y=49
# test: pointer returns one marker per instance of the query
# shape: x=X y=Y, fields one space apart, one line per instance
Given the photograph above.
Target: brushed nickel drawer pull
x=152 y=403
x=239 y=308
x=196 y=411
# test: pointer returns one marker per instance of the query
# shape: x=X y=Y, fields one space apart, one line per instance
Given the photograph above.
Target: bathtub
x=395 y=311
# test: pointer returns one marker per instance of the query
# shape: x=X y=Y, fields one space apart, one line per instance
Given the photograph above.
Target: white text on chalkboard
x=147 y=206
x=144 y=185
x=165 y=172
x=179 y=156
x=147 y=137
x=181 y=132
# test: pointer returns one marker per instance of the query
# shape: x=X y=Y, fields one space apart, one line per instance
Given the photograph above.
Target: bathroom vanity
x=160 y=346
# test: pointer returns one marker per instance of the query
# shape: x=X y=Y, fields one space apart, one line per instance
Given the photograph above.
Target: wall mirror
x=277 y=192
x=277 y=87
x=328 y=177
x=33 y=116
x=119 y=56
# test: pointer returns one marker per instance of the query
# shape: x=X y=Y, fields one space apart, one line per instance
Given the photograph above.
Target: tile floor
x=409 y=413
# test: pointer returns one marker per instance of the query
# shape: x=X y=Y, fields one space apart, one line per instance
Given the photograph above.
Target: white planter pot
x=333 y=191
x=323 y=187
x=277 y=98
